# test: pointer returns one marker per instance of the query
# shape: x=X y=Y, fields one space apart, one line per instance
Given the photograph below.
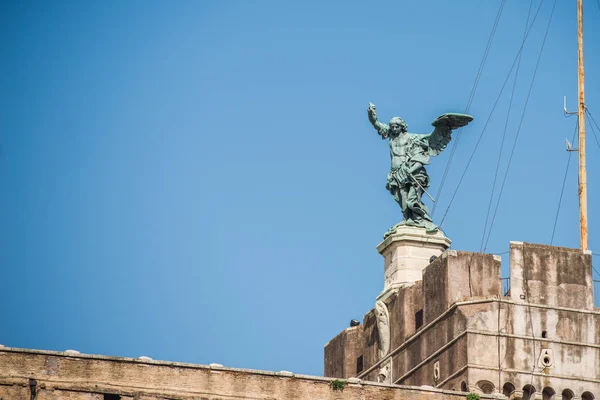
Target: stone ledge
x=75 y=383
x=414 y=234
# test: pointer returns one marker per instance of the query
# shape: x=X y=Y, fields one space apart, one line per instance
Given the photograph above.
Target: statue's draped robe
x=406 y=192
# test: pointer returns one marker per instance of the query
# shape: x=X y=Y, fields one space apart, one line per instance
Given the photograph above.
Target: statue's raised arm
x=444 y=125
x=382 y=129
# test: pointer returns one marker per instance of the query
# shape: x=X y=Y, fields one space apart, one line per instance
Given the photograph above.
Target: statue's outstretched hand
x=372 y=113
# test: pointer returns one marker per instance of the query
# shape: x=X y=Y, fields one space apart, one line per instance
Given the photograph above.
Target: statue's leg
x=420 y=212
x=400 y=197
x=404 y=203
x=414 y=202
x=398 y=191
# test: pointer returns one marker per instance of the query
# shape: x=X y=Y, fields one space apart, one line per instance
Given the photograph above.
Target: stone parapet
x=56 y=375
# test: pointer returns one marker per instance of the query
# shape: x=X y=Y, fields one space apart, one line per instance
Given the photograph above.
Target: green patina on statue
x=407 y=180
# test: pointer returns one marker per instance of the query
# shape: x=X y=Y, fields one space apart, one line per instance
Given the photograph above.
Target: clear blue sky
x=198 y=181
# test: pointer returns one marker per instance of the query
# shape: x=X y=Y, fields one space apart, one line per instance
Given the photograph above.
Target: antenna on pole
x=567 y=113
x=583 y=226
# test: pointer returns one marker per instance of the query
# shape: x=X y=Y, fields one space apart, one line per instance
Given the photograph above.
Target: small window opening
x=587 y=396
x=548 y=393
x=507 y=389
x=463 y=387
x=111 y=396
x=544 y=334
x=33 y=388
x=359 y=364
x=528 y=392
x=418 y=319
x=486 y=387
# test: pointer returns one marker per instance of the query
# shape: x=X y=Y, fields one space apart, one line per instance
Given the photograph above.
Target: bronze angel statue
x=407 y=180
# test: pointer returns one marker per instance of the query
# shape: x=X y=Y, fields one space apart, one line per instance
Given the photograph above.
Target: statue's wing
x=444 y=125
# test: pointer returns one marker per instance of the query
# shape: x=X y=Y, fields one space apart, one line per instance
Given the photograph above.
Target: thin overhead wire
x=537 y=64
x=469 y=101
x=562 y=190
x=512 y=94
x=490 y=116
x=598 y=273
x=485 y=56
x=592 y=125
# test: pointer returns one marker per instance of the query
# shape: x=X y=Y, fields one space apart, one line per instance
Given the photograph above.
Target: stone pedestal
x=406 y=253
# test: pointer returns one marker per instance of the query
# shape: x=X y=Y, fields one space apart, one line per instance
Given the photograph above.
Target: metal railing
x=505 y=286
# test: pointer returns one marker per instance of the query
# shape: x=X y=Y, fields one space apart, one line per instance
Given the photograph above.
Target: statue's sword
x=418 y=184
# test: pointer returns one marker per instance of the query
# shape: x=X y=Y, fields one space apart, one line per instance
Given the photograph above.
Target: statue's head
x=397 y=125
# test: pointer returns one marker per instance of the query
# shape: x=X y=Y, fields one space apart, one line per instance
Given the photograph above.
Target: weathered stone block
x=458 y=276
x=554 y=276
x=342 y=353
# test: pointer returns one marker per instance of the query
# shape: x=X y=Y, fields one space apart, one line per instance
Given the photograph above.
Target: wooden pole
x=581 y=115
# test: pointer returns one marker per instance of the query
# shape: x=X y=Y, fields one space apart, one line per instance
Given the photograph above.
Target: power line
x=469 y=102
x=512 y=94
x=537 y=64
x=490 y=116
x=589 y=115
x=562 y=190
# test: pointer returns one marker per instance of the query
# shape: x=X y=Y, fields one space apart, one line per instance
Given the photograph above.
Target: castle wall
x=402 y=308
x=456 y=276
x=62 y=376
x=546 y=333
x=402 y=304
x=342 y=353
x=486 y=335
x=516 y=337
x=418 y=347
x=370 y=343
x=554 y=276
